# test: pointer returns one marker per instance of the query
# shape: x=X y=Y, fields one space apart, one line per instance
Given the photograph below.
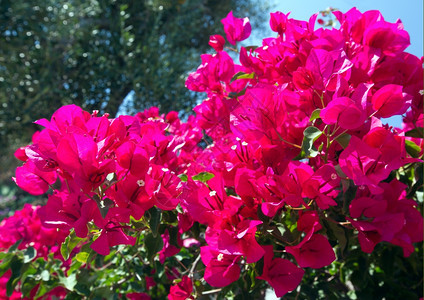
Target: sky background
x=409 y=11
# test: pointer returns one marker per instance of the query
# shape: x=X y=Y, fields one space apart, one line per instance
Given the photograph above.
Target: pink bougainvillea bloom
x=390 y=101
x=162 y=185
x=281 y=274
x=278 y=22
x=389 y=37
x=67 y=119
x=343 y=112
x=315 y=252
x=321 y=186
x=221 y=269
x=109 y=237
x=133 y=158
x=241 y=241
x=20 y=154
x=370 y=160
x=236 y=29
x=370 y=207
x=168 y=249
x=138 y=296
x=217 y=42
x=303 y=78
x=32 y=180
x=308 y=221
x=182 y=290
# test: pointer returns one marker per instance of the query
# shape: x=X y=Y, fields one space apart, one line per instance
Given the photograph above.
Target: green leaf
x=4 y=255
x=6 y=260
x=82 y=257
x=242 y=75
x=69 y=282
x=16 y=267
x=14 y=246
x=310 y=135
x=344 y=140
x=42 y=289
x=183 y=177
x=69 y=244
x=315 y=115
x=173 y=236
x=203 y=176
x=248 y=48
x=412 y=148
x=339 y=234
x=29 y=254
x=155 y=219
x=416 y=132
x=153 y=245
x=103 y=205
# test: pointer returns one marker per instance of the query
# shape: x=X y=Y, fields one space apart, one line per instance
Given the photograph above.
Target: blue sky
x=409 y=11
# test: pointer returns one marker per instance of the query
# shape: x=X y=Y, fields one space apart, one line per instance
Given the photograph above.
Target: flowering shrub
x=287 y=166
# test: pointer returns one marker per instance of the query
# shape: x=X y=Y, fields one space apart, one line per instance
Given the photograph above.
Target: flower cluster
x=26 y=230
x=292 y=129
x=108 y=169
x=294 y=125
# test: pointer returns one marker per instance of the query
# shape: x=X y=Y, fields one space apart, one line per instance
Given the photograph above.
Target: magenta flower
x=31 y=179
x=221 y=269
x=313 y=252
x=278 y=22
x=217 y=42
x=168 y=249
x=111 y=236
x=281 y=274
x=182 y=290
x=390 y=100
x=344 y=112
x=236 y=29
x=240 y=241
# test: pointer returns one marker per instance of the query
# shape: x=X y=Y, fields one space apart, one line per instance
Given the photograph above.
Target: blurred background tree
x=96 y=53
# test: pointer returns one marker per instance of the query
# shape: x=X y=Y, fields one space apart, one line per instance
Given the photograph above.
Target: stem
x=193 y=267
x=287 y=142
x=328 y=145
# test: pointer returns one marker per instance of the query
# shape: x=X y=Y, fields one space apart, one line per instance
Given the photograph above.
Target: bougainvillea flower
x=217 y=42
x=67 y=119
x=221 y=269
x=369 y=207
x=162 y=186
x=308 y=221
x=281 y=274
x=133 y=158
x=343 y=112
x=182 y=290
x=109 y=237
x=32 y=180
x=241 y=241
x=168 y=249
x=236 y=29
x=363 y=164
x=278 y=22
x=138 y=296
x=389 y=37
x=315 y=252
x=321 y=186
x=390 y=100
